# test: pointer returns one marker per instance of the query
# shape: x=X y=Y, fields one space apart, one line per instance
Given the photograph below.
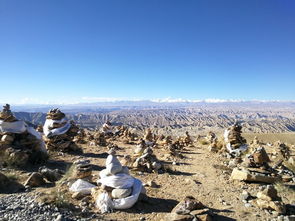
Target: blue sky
x=82 y=51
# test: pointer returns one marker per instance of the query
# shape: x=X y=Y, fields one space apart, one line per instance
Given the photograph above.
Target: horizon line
x=97 y=100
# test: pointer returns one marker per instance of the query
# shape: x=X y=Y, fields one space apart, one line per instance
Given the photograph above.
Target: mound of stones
x=59 y=132
x=118 y=190
x=190 y=209
x=268 y=199
x=82 y=170
x=145 y=160
x=126 y=134
x=81 y=137
x=255 y=168
x=98 y=138
x=235 y=143
x=149 y=137
x=107 y=129
x=211 y=137
x=164 y=140
x=19 y=143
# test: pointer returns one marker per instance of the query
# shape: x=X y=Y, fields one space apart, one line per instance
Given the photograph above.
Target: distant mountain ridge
x=259 y=117
x=149 y=104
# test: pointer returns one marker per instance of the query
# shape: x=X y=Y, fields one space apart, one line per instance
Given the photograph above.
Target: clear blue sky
x=52 y=50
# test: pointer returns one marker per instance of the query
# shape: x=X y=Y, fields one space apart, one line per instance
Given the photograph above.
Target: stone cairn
x=258 y=159
x=235 y=143
x=82 y=170
x=178 y=143
x=283 y=151
x=211 y=137
x=149 y=137
x=187 y=139
x=174 y=151
x=164 y=140
x=117 y=188
x=107 y=129
x=145 y=159
x=113 y=167
x=125 y=134
x=255 y=141
x=81 y=137
x=284 y=161
x=64 y=141
x=147 y=162
x=213 y=142
x=19 y=143
x=99 y=139
x=174 y=147
x=255 y=167
x=213 y=147
x=43 y=176
x=268 y=199
x=182 y=142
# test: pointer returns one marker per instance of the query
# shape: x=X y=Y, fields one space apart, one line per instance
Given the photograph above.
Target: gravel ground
x=22 y=206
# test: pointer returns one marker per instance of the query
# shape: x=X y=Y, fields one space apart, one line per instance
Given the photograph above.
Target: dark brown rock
x=187 y=205
x=35 y=180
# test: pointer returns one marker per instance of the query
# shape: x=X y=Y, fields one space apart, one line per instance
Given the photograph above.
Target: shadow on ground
x=150 y=205
x=96 y=155
x=218 y=217
x=178 y=173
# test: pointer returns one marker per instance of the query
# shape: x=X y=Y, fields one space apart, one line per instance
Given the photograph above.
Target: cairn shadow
x=183 y=163
x=218 y=217
x=95 y=155
x=178 y=173
x=292 y=187
x=222 y=218
x=170 y=163
x=12 y=187
x=96 y=167
x=151 y=204
x=51 y=164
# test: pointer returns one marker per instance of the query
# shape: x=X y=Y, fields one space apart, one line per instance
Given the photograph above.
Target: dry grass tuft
x=68 y=175
x=204 y=142
x=290 y=166
x=59 y=195
x=285 y=191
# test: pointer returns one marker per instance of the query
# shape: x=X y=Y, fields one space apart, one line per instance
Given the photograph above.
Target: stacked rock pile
x=235 y=142
x=82 y=169
x=118 y=190
x=211 y=137
x=147 y=161
x=19 y=143
x=60 y=132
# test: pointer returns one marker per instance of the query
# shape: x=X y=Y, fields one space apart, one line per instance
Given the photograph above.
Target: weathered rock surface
x=245 y=175
x=35 y=180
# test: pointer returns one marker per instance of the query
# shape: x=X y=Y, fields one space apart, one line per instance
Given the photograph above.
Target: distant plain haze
x=69 y=51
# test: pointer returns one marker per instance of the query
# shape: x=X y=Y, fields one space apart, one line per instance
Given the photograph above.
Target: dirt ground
x=200 y=174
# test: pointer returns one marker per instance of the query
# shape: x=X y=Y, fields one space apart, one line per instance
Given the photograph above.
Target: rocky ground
x=23 y=206
x=201 y=174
